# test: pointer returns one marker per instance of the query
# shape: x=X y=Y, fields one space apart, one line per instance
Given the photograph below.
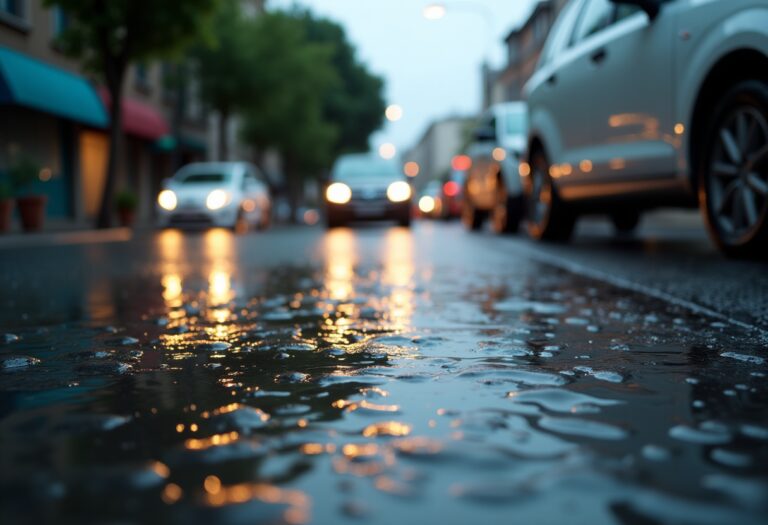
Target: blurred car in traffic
x=431 y=200
x=222 y=194
x=366 y=187
x=453 y=193
x=638 y=104
x=493 y=187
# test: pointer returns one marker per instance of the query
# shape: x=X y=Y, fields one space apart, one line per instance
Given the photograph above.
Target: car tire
x=241 y=225
x=334 y=221
x=471 y=217
x=548 y=218
x=733 y=173
x=404 y=221
x=625 y=222
x=507 y=214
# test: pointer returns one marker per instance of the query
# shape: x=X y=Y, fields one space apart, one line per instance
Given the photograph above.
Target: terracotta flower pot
x=6 y=211
x=127 y=218
x=32 y=212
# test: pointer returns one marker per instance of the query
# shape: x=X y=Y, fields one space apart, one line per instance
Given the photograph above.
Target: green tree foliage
x=228 y=67
x=110 y=35
x=286 y=109
x=312 y=99
x=357 y=105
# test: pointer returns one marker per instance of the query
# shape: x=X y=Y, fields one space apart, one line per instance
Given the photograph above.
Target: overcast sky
x=431 y=68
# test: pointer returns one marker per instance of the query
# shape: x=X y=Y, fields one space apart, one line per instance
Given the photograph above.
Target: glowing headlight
x=167 y=200
x=338 y=193
x=399 y=191
x=427 y=204
x=217 y=199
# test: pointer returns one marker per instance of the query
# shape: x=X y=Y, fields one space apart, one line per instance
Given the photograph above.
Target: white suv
x=638 y=104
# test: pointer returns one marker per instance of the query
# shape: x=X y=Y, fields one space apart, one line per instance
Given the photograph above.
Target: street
x=302 y=375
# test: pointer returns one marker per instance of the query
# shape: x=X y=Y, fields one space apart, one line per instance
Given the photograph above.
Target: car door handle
x=599 y=56
x=552 y=80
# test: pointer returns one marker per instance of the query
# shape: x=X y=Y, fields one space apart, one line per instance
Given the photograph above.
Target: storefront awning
x=27 y=82
x=139 y=119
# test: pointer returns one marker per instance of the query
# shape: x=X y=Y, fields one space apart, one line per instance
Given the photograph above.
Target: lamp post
x=439 y=10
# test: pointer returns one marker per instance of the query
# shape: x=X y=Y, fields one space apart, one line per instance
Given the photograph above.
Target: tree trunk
x=223 y=135
x=293 y=179
x=115 y=87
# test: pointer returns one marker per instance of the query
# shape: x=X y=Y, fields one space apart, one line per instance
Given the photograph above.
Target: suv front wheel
x=733 y=188
x=548 y=217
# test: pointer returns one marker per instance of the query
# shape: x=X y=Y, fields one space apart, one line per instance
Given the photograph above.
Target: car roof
x=228 y=168
x=367 y=159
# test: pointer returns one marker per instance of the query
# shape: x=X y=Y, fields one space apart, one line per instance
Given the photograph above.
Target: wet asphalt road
x=380 y=375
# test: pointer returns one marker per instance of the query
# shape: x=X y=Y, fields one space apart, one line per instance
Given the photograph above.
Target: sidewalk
x=63 y=237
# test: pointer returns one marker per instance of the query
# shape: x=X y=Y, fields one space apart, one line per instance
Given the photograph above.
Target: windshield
x=352 y=171
x=203 y=178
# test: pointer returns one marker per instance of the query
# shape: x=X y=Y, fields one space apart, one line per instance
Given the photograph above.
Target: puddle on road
x=377 y=388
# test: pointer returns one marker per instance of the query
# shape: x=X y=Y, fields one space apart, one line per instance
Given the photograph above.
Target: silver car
x=222 y=194
x=639 y=104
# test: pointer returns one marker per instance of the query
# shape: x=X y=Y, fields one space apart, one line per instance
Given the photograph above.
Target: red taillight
x=451 y=189
x=461 y=163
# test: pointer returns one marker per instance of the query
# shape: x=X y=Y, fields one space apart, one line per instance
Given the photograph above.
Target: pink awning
x=139 y=119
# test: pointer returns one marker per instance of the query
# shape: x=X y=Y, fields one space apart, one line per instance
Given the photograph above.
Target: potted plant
x=24 y=172
x=126 y=203
x=6 y=206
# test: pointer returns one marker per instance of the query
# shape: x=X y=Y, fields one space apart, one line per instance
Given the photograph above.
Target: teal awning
x=27 y=82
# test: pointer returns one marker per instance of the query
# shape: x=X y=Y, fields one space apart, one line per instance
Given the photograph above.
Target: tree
x=357 y=105
x=286 y=109
x=227 y=69
x=110 y=35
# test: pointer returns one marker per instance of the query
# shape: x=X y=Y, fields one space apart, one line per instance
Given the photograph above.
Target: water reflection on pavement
x=379 y=375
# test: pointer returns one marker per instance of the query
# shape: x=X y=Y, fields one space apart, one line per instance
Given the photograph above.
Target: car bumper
x=358 y=210
x=198 y=217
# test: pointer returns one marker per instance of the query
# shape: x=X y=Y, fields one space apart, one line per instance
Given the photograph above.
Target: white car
x=638 y=104
x=220 y=194
x=492 y=188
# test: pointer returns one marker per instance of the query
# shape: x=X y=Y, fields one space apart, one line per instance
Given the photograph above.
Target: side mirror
x=651 y=7
x=485 y=134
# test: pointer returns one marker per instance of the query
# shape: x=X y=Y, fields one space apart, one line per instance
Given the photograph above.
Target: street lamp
x=438 y=11
x=434 y=11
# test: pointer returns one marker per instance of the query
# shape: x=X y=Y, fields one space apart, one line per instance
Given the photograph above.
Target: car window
x=558 y=36
x=595 y=16
x=204 y=178
x=351 y=171
x=625 y=11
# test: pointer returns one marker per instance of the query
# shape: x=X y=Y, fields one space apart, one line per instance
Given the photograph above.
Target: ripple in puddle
x=583 y=428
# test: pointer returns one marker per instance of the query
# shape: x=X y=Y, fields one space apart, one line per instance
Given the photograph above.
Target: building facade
x=434 y=152
x=53 y=112
x=524 y=46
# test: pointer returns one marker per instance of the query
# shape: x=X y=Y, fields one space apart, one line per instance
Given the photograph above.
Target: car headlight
x=217 y=199
x=338 y=193
x=167 y=200
x=399 y=191
x=427 y=204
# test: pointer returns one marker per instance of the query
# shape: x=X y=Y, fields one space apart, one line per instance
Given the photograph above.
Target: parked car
x=226 y=194
x=366 y=187
x=453 y=194
x=431 y=200
x=638 y=104
x=493 y=187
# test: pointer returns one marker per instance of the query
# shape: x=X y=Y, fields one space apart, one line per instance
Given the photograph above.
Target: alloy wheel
x=738 y=182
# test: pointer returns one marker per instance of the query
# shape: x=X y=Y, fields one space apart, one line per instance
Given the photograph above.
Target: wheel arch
x=734 y=66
